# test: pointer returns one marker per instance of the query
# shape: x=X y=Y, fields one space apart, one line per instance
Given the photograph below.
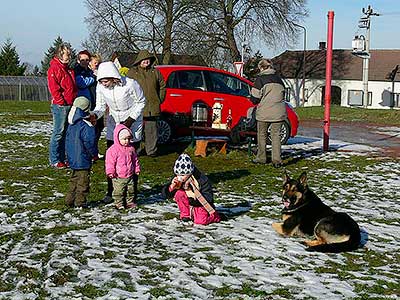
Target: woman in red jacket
x=63 y=90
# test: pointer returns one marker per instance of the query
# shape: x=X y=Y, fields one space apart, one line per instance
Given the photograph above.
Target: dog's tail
x=335 y=247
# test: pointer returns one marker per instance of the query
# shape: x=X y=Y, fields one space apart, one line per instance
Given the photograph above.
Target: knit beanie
x=83 y=103
x=124 y=133
x=183 y=165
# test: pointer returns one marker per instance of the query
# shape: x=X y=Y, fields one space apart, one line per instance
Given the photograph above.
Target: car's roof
x=184 y=67
x=170 y=68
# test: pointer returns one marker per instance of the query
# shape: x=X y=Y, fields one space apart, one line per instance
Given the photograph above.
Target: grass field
x=350 y=114
x=51 y=252
x=338 y=113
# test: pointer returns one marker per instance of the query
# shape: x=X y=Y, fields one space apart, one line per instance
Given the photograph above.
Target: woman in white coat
x=125 y=100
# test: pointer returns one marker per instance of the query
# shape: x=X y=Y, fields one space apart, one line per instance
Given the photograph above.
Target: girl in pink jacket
x=122 y=166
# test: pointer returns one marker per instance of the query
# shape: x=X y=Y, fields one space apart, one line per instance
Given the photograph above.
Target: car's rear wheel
x=285 y=133
x=164 y=132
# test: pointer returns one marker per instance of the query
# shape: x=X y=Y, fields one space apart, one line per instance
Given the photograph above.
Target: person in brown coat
x=153 y=85
x=268 y=93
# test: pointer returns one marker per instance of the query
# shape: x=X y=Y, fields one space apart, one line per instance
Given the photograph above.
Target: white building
x=347 y=84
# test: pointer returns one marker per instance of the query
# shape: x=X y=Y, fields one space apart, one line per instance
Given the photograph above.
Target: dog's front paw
x=278 y=228
x=311 y=243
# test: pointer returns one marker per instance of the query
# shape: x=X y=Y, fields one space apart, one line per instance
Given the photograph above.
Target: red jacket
x=61 y=81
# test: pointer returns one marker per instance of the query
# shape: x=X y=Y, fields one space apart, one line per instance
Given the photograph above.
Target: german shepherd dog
x=304 y=213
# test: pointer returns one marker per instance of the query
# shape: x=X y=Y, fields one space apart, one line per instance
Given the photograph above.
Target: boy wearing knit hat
x=81 y=149
x=122 y=166
x=193 y=193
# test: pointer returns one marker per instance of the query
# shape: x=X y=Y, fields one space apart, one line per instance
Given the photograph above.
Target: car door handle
x=175 y=95
x=219 y=99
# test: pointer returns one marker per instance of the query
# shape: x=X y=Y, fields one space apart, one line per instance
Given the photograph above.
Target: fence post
x=19 y=91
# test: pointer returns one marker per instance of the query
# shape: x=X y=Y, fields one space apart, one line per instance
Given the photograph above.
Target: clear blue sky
x=34 y=25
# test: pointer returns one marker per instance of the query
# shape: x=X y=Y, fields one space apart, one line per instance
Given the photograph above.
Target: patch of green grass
x=246 y=289
x=213 y=260
x=64 y=275
x=25 y=107
x=159 y=291
x=90 y=291
x=203 y=249
x=283 y=292
x=27 y=272
x=169 y=216
x=6 y=286
x=57 y=230
x=385 y=289
x=351 y=114
x=232 y=269
x=15 y=237
x=224 y=291
x=147 y=278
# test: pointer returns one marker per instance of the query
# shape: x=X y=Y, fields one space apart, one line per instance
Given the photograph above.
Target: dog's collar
x=285 y=210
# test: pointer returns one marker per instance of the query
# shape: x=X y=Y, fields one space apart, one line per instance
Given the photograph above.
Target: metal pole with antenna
x=365 y=22
x=304 y=63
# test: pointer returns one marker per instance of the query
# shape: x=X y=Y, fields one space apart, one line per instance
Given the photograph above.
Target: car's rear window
x=223 y=83
x=190 y=80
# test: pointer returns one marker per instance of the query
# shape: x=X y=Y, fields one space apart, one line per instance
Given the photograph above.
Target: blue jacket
x=80 y=143
x=84 y=80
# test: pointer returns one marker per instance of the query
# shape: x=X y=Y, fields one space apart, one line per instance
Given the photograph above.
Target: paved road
x=385 y=137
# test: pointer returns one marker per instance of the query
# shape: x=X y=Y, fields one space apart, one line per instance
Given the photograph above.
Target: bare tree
x=228 y=23
x=133 y=25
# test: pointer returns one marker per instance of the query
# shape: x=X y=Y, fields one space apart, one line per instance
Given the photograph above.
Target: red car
x=192 y=93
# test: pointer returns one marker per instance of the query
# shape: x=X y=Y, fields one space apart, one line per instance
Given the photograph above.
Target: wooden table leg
x=223 y=149
x=201 y=148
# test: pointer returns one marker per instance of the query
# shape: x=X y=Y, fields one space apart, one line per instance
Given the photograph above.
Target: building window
x=396 y=99
x=369 y=99
x=356 y=97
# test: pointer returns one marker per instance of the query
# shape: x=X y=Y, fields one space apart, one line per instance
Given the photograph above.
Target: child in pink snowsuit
x=122 y=166
x=193 y=193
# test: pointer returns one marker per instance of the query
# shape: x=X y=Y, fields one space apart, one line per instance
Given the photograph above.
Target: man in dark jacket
x=268 y=93
x=153 y=85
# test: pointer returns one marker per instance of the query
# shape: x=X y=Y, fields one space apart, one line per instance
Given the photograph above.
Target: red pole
x=328 y=79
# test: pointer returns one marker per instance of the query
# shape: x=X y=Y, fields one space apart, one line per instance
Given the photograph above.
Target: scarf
x=195 y=193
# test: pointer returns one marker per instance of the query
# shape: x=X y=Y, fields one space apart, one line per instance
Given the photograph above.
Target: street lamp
x=304 y=61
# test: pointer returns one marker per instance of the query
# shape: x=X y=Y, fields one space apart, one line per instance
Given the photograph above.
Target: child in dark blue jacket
x=81 y=148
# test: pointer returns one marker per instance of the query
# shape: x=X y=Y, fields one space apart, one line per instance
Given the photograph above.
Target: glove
x=128 y=122
x=93 y=119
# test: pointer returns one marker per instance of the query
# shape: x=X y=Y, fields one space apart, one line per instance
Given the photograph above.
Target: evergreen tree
x=9 y=61
x=48 y=56
x=36 y=71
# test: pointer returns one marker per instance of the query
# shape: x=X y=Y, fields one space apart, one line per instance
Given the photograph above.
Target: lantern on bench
x=199 y=114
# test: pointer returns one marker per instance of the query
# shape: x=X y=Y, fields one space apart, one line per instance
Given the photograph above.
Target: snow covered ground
x=148 y=254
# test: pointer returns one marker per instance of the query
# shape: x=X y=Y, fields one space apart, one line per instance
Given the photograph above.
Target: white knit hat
x=183 y=165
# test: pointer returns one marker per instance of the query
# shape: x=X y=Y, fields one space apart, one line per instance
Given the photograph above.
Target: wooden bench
x=202 y=137
x=202 y=144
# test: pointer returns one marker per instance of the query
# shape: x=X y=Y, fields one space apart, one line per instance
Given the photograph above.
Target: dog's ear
x=303 y=179
x=286 y=177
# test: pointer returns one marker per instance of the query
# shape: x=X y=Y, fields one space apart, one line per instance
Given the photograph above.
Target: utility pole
x=365 y=22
